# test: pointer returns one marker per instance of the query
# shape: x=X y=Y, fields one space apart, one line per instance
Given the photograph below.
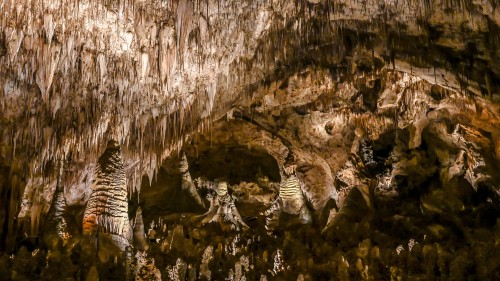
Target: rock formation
x=106 y=213
x=290 y=201
x=351 y=140
x=223 y=210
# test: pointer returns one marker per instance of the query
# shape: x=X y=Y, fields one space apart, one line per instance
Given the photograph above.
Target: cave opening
x=237 y=165
x=234 y=164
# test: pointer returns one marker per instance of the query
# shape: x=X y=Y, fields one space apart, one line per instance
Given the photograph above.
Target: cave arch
x=234 y=163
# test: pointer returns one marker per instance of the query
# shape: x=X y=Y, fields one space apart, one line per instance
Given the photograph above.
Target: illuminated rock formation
x=390 y=109
x=106 y=213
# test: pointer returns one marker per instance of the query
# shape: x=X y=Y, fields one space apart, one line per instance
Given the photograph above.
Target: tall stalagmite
x=107 y=208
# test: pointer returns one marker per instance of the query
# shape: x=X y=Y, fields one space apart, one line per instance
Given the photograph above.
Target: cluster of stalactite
x=380 y=174
x=154 y=70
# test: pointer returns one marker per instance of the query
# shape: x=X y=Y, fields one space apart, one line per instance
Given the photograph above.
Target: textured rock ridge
x=107 y=208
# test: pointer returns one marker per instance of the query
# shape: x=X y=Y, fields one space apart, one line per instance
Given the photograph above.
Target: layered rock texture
x=250 y=140
x=106 y=211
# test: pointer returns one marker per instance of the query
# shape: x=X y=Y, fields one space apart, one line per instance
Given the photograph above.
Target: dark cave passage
x=233 y=163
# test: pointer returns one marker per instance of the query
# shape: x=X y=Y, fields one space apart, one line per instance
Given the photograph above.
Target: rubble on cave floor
x=361 y=250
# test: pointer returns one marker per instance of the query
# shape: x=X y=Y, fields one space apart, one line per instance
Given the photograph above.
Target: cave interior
x=250 y=140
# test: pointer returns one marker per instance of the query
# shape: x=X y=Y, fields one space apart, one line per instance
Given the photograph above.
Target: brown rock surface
x=385 y=114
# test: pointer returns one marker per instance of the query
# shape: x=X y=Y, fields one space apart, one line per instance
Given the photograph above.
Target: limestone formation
x=223 y=210
x=106 y=213
x=187 y=182
x=350 y=140
x=58 y=214
x=290 y=201
x=139 y=232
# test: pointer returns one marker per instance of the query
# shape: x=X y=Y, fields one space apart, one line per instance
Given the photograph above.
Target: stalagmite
x=106 y=213
x=57 y=215
x=139 y=233
x=222 y=209
x=187 y=182
x=290 y=200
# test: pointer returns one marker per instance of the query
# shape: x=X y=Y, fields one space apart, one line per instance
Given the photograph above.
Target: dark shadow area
x=234 y=164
